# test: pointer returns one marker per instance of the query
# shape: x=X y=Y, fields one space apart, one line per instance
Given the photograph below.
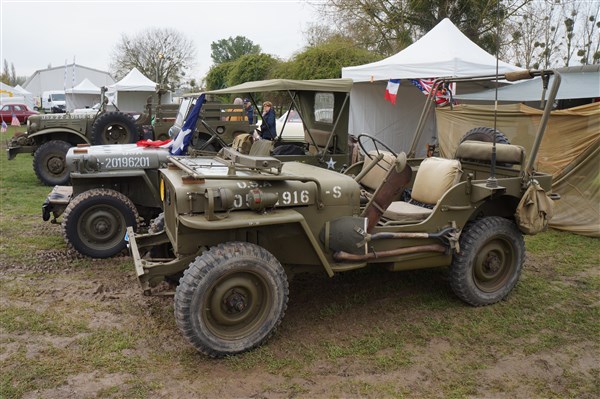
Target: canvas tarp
x=443 y=52
x=84 y=95
x=570 y=151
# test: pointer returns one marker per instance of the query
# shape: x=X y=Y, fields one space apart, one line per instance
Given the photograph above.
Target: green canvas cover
x=570 y=151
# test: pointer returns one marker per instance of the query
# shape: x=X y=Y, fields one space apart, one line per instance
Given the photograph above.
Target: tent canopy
x=85 y=87
x=133 y=81
x=576 y=82
x=334 y=85
x=443 y=52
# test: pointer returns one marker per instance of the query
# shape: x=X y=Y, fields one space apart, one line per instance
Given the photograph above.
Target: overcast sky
x=37 y=33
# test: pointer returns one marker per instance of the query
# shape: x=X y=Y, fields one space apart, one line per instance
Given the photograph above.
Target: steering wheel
x=375 y=142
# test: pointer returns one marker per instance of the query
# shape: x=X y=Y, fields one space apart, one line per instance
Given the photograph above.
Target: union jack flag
x=443 y=95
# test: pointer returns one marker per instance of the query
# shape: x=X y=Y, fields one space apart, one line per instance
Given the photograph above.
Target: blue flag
x=184 y=137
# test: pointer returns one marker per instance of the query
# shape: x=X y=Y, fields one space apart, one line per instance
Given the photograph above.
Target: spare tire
x=485 y=134
x=114 y=128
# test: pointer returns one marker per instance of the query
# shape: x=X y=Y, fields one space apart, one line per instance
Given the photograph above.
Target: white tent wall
x=394 y=124
x=81 y=100
x=133 y=101
x=443 y=51
x=27 y=96
x=84 y=95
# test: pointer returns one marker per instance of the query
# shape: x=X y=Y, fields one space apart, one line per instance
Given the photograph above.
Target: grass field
x=80 y=328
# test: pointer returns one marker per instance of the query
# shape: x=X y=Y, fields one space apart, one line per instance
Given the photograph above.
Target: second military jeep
x=114 y=186
x=235 y=227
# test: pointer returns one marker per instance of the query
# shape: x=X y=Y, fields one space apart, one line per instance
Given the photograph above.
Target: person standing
x=268 y=130
x=249 y=110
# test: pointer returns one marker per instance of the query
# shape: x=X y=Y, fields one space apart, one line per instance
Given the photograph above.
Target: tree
x=9 y=75
x=231 y=49
x=251 y=67
x=217 y=76
x=163 y=55
x=389 y=26
x=325 y=60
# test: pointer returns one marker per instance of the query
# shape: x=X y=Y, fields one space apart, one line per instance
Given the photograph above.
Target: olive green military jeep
x=237 y=226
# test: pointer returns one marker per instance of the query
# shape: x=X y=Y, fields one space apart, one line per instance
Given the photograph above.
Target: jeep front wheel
x=231 y=299
x=488 y=266
x=114 y=128
x=50 y=163
x=95 y=222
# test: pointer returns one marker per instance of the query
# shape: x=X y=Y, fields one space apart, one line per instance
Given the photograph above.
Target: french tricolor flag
x=392 y=90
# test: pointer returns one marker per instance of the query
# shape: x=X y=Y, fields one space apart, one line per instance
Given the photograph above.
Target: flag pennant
x=444 y=94
x=391 y=91
x=4 y=127
x=15 y=121
x=184 y=137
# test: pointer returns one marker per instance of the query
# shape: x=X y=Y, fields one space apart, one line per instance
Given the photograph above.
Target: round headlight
x=220 y=129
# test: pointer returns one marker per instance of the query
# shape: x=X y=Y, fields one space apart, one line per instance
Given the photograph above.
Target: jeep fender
x=282 y=216
x=61 y=133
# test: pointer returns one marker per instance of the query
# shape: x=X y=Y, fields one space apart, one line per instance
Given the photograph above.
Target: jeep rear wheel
x=50 y=163
x=114 y=128
x=488 y=266
x=95 y=222
x=231 y=299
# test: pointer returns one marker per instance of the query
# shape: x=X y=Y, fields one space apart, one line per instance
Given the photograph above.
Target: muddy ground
x=76 y=328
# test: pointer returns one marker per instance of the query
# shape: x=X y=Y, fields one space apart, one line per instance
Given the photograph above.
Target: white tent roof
x=133 y=81
x=22 y=91
x=443 y=51
x=85 y=87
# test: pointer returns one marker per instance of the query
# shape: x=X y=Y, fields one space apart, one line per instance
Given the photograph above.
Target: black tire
x=95 y=222
x=50 y=163
x=485 y=134
x=489 y=264
x=231 y=299
x=114 y=128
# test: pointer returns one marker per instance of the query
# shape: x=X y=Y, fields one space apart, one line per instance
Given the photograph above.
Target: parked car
x=21 y=111
x=294 y=128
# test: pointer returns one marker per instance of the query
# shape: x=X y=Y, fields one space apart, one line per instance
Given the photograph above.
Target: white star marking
x=331 y=163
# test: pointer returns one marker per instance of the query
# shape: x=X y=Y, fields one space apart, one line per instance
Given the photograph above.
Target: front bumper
x=151 y=272
x=12 y=152
x=56 y=202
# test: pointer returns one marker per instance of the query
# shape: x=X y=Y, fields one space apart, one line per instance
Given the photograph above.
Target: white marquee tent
x=131 y=93
x=84 y=95
x=443 y=52
x=27 y=96
x=9 y=95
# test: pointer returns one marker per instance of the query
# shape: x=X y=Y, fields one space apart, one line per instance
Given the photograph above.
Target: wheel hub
x=55 y=165
x=493 y=263
x=235 y=302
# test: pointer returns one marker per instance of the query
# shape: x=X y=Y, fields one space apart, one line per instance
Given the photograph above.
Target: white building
x=65 y=77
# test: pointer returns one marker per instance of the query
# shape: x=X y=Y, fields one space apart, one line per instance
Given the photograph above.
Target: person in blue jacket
x=268 y=130
x=249 y=110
